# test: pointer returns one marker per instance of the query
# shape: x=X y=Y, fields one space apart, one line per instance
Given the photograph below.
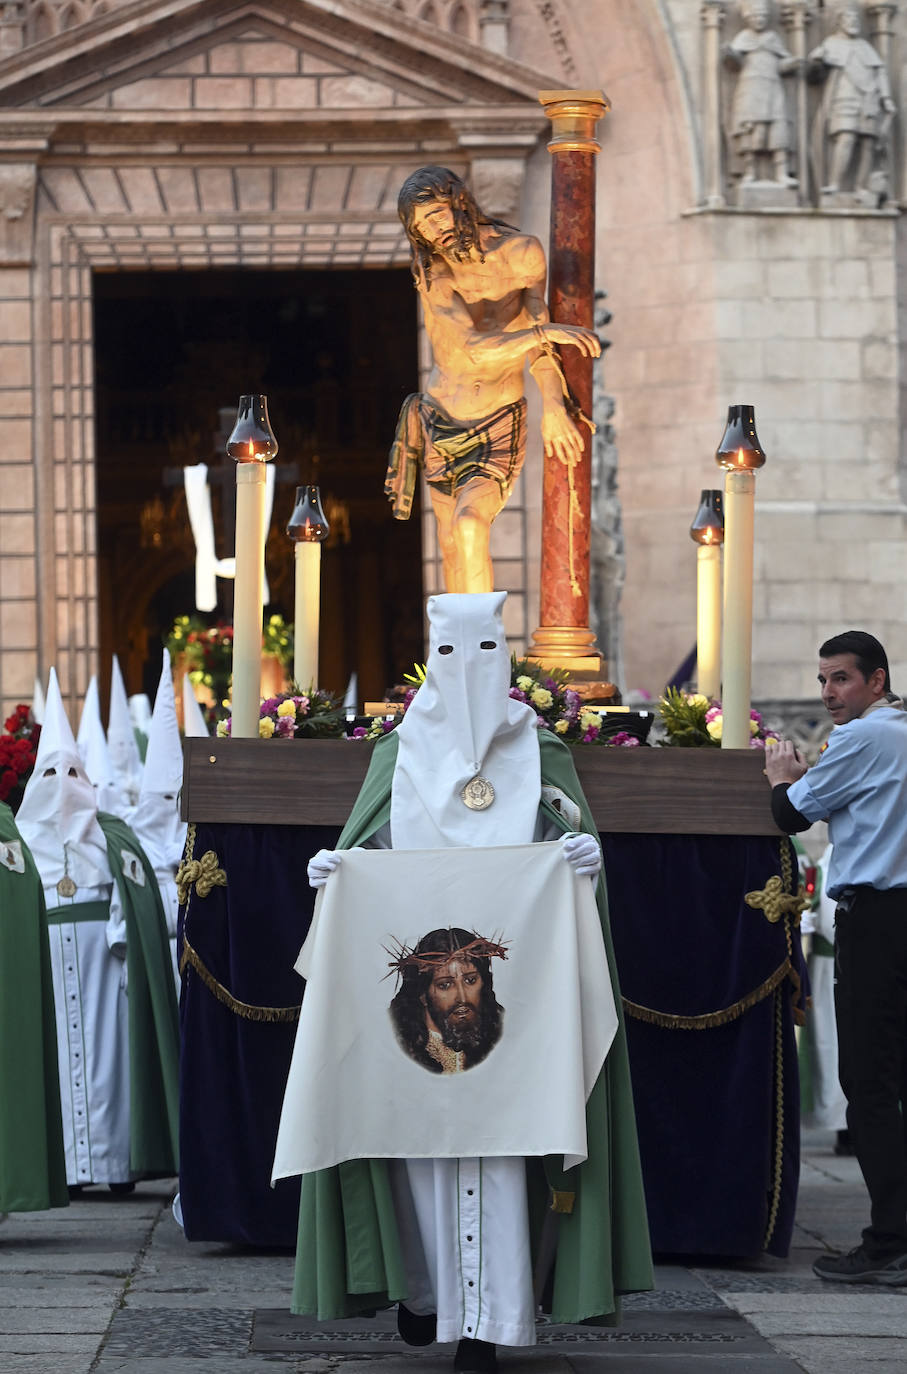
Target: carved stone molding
x=497 y=183
x=17 y=198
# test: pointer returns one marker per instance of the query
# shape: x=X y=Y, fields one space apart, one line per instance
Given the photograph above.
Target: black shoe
x=416 y=1330
x=843 y=1145
x=859 y=1267
x=478 y=1357
x=121 y=1189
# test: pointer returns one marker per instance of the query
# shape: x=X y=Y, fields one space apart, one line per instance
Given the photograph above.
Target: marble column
x=563 y=638
x=712 y=15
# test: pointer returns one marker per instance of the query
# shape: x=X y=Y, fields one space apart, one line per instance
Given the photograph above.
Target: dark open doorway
x=335 y=353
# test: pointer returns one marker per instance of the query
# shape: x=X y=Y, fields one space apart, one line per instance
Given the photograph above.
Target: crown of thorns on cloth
x=426 y=961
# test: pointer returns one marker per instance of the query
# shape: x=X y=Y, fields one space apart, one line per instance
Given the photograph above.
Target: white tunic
x=464 y=1230
x=89 y=976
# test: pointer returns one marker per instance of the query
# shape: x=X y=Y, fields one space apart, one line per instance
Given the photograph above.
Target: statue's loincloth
x=452 y=453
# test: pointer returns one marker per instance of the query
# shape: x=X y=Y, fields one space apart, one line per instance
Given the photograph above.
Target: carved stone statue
x=759 y=124
x=855 y=113
x=481 y=283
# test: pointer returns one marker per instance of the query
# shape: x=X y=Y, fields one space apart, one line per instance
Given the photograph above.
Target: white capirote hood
x=156 y=818
x=463 y=722
x=58 y=817
x=92 y=746
x=124 y=751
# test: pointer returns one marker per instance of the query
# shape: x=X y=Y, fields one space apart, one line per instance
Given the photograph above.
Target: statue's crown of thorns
x=426 y=961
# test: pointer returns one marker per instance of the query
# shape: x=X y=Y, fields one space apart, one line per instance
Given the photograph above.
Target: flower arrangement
x=206 y=653
x=18 y=748
x=557 y=707
x=278 y=641
x=311 y=715
x=560 y=709
x=692 y=720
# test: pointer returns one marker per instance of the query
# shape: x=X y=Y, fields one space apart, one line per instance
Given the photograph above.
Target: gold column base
x=570 y=648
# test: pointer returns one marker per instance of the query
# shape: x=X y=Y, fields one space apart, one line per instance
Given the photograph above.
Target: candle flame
x=251 y=448
x=740 y=459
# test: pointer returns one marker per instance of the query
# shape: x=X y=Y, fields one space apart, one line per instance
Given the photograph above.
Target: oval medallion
x=478 y=794
x=66 y=887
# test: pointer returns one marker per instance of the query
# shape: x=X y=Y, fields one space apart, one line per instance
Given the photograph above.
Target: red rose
x=11 y=724
x=8 y=780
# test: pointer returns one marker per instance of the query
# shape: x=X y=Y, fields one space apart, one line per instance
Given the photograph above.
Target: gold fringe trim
x=244 y=1009
x=708 y=1020
x=562 y=1201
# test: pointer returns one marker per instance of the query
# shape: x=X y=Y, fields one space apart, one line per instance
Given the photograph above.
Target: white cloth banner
x=360 y=1087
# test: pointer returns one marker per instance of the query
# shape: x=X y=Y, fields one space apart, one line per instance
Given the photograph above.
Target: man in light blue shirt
x=859 y=784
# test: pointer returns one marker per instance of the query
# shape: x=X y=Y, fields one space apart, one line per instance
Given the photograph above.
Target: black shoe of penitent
x=416 y=1330
x=475 y=1357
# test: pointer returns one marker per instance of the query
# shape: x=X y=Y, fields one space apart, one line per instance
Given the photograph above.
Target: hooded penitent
x=464 y=726
x=194 y=726
x=124 y=751
x=58 y=817
x=95 y=755
x=156 y=820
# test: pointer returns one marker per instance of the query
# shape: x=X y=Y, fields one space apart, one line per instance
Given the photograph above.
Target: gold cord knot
x=205 y=873
x=776 y=903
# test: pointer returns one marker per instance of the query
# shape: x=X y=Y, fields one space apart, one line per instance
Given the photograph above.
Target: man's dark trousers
x=871 y=1013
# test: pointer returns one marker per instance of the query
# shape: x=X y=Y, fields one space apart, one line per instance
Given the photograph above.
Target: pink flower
x=285 y=726
x=517 y=694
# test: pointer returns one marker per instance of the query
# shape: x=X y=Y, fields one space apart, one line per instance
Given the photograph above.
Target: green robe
x=153 y=1014
x=32 y=1160
x=348 y=1254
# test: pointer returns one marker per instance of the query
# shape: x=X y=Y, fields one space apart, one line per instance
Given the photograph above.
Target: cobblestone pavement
x=110 y=1286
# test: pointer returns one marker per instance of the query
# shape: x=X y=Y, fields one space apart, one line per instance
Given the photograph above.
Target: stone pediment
x=161 y=57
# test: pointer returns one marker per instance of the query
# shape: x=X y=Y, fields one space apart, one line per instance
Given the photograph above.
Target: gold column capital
x=574 y=115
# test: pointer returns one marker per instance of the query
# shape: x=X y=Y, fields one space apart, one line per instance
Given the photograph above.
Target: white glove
x=322 y=865
x=582 y=854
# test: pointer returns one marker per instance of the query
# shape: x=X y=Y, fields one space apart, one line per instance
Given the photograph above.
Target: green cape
x=348 y=1255
x=153 y=1014
x=32 y=1159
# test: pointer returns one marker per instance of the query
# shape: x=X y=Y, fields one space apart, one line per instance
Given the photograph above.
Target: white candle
x=248 y=592
x=308 y=603
x=708 y=619
x=739 y=511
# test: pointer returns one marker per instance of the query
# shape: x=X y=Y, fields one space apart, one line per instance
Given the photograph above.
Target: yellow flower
x=562 y=727
x=287 y=708
x=754 y=727
x=540 y=697
x=266 y=727
x=524 y=683
x=697 y=699
x=222 y=729
x=770 y=741
x=714 y=727
x=589 y=720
